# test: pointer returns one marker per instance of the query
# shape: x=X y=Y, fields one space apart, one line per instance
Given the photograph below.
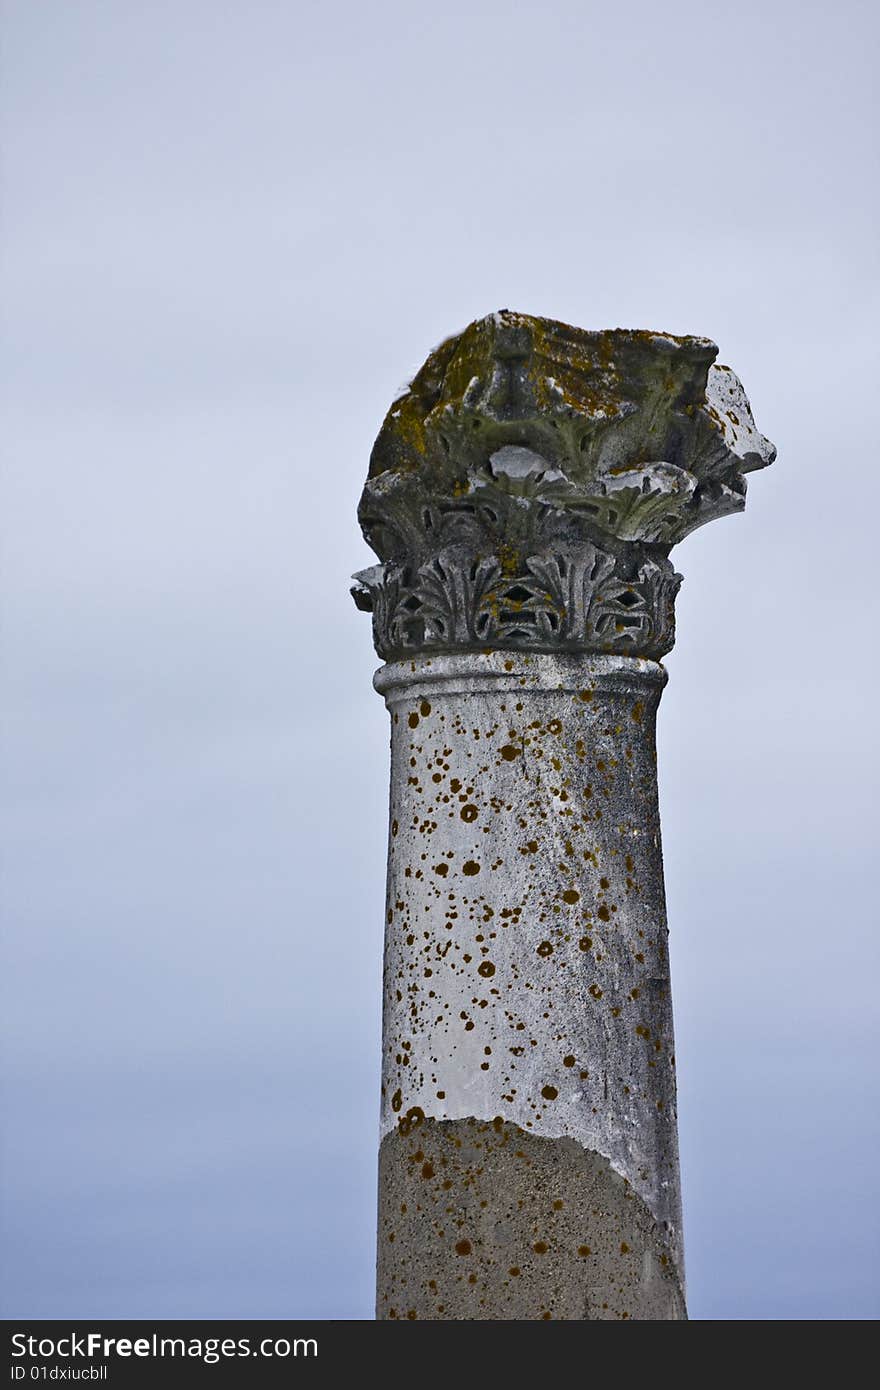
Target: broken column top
x=525 y=489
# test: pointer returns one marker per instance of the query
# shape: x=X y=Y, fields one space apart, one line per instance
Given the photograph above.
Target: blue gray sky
x=229 y=231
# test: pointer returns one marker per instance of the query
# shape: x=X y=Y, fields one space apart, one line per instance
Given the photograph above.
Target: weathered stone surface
x=523 y=497
x=525 y=490
x=482 y=1220
x=526 y=963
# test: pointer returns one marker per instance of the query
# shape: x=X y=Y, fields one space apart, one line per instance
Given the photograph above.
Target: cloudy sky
x=229 y=231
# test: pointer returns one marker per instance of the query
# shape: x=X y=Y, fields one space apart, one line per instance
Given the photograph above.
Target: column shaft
x=529 y=1164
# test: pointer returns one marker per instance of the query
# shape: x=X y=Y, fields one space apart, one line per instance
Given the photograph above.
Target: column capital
x=526 y=488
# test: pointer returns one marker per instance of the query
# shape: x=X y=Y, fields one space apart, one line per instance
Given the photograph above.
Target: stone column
x=523 y=496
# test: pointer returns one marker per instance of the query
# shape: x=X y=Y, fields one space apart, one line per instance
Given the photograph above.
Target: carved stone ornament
x=527 y=487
